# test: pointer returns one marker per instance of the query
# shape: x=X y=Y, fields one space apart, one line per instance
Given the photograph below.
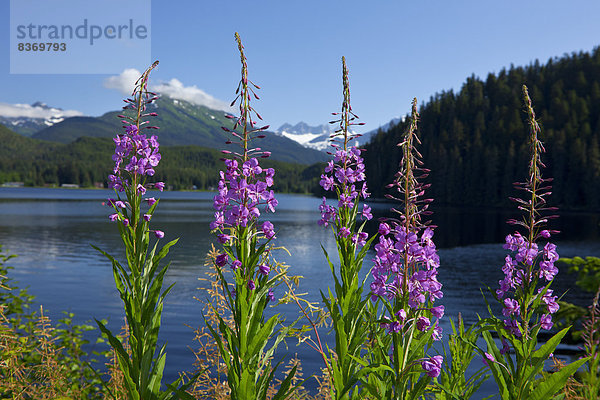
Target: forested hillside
x=87 y=161
x=475 y=141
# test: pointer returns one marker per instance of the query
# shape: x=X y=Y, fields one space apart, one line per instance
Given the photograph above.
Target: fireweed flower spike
x=139 y=282
x=345 y=176
x=524 y=293
x=404 y=281
x=244 y=195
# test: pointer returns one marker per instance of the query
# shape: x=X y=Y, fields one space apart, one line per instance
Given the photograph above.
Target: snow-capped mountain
x=317 y=137
x=28 y=119
x=314 y=137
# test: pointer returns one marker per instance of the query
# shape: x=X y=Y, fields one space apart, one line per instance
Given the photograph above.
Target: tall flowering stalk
x=525 y=294
x=345 y=175
x=405 y=283
x=139 y=282
x=243 y=194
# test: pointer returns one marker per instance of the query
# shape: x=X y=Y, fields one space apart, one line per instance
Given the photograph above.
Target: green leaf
x=556 y=381
x=284 y=389
x=549 y=347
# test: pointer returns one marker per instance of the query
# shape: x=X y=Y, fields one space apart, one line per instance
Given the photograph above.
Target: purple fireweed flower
x=134 y=155
x=363 y=191
x=264 y=269
x=159 y=185
x=513 y=327
x=547 y=270
x=147 y=217
x=550 y=300
x=327 y=182
x=268 y=230
x=511 y=307
x=401 y=315
x=394 y=326
x=423 y=323
x=251 y=167
x=546 y=322
x=437 y=331
x=328 y=213
x=433 y=366
x=505 y=347
x=242 y=190
x=151 y=201
x=120 y=204
x=384 y=229
x=223 y=238
x=362 y=238
x=366 y=213
x=251 y=285
x=236 y=264
x=396 y=248
x=438 y=311
x=113 y=217
x=343 y=175
x=269 y=173
x=271 y=295
x=515 y=271
x=550 y=253
x=488 y=357
x=222 y=259
x=344 y=232
x=159 y=234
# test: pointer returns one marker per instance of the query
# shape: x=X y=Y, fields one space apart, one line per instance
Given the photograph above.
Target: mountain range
x=318 y=137
x=181 y=123
x=33 y=118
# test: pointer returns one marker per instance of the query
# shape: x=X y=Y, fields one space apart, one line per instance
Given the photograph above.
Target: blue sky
x=395 y=50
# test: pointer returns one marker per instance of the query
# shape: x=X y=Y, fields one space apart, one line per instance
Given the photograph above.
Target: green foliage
x=453 y=382
x=394 y=370
x=87 y=160
x=37 y=359
x=524 y=377
x=588 y=279
x=587 y=270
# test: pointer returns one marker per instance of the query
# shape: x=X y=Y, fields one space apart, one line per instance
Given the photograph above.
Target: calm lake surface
x=51 y=231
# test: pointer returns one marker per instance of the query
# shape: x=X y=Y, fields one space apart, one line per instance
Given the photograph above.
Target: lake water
x=51 y=231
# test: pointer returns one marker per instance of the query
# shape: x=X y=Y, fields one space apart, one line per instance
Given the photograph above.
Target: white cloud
x=37 y=111
x=124 y=82
x=174 y=89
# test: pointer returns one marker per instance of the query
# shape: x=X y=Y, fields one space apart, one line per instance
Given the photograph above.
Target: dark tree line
x=87 y=161
x=475 y=141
